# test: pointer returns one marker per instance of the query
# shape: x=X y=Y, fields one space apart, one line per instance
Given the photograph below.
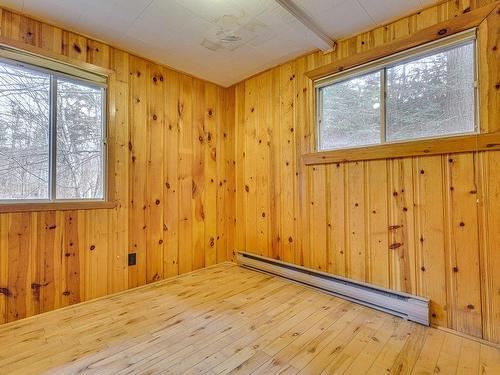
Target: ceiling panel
x=387 y=10
x=223 y=41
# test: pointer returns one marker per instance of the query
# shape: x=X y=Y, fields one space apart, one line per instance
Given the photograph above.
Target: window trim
x=80 y=73
x=381 y=65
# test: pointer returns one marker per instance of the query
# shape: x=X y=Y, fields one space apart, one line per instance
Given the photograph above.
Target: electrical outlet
x=132 y=259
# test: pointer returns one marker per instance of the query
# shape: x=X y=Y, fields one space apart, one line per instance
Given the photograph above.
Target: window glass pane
x=79 y=141
x=24 y=133
x=431 y=96
x=350 y=112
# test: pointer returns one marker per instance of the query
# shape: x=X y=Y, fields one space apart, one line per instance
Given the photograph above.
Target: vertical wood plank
x=431 y=255
x=377 y=215
x=211 y=116
x=185 y=174
x=356 y=245
x=240 y=135
x=489 y=198
x=263 y=170
x=401 y=222
x=251 y=108
x=288 y=179
x=198 y=196
x=138 y=169
x=464 y=244
x=155 y=221
x=171 y=172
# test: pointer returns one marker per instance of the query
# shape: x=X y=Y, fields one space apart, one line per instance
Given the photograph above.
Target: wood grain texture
x=434 y=32
x=58 y=258
x=227 y=319
x=438 y=146
x=419 y=223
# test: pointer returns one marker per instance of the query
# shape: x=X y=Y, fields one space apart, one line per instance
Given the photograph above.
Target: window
x=52 y=133
x=426 y=92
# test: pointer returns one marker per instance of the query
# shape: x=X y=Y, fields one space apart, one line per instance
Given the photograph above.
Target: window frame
x=73 y=73
x=381 y=65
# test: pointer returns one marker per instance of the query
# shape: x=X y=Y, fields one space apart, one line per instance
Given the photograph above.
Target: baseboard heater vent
x=396 y=303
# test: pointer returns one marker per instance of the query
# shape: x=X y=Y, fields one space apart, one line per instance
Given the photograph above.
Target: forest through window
x=425 y=96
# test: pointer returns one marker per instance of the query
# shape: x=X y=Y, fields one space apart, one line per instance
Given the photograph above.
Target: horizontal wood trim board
x=482 y=142
x=435 y=32
x=58 y=206
x=48 y=54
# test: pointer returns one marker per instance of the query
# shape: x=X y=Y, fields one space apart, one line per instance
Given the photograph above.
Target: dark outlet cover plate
x=132 y=259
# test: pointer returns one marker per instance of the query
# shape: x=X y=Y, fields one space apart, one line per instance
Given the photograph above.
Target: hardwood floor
x=226 y=319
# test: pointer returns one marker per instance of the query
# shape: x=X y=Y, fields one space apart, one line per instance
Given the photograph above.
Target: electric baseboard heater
x=396 y=303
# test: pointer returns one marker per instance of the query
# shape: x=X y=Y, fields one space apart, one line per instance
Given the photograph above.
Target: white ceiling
x=185 y=34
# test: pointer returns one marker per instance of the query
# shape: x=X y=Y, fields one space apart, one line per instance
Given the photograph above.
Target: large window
x=427 y=92
x=52 y=134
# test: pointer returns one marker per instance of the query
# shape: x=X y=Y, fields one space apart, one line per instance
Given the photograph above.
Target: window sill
x=450 y=145
x=55 y=206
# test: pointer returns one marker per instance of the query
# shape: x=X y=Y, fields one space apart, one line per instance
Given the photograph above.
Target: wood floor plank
x=229 y=320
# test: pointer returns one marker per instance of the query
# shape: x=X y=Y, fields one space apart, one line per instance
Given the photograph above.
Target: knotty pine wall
x=424 y=225
x=167 y=146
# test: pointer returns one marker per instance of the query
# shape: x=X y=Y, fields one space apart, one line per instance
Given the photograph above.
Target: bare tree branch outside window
x=25 y=137
x=425 y=97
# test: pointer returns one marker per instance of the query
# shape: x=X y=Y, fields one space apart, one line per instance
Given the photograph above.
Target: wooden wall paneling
x=19 y=279
x=51 y=38
x=302 y=146
x=489 y=201
x=251 y=108
x=29 y=31
x=97 y=237
x=155 y=185
x=85 y=255
x=229 y=167
x=489 y=70
x=287 y=151
x=337 y=219
x=318 y=212
x=240 y=135
x=47 y=288
x=432 y=146
x=118 y=154
x=355 y=220
x=377 y=223
x=222 y=213
x=211 y=119
x=406 y=244
x=73 y=248
x=321 y=185
x=199 y=146
x=171 y=173
x=138 y=169
x=463 y=259
x=401 y=225
x=98 y=54
x=75 y=46
x=185 y=174
x=432 y=278
x=4 y=267
x=10 y=25
x=263 y=169
x=275 y=165
x=424 y=267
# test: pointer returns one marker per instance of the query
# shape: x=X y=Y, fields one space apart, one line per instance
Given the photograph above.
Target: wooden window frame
x=109 y=201
x=472 y=142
